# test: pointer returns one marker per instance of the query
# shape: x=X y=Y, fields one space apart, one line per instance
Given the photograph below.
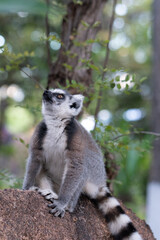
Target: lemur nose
x=78 y=104
x=45 y=92
x=47 y=95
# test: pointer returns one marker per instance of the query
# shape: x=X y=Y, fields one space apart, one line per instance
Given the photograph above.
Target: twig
x=137 y=133
x=35 y=80
x=106 y=58
x=47 y=34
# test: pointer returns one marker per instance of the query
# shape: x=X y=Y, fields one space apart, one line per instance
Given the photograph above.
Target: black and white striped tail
x=119 y=223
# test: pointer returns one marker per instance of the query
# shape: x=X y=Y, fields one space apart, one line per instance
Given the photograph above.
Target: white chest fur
x=54 y=150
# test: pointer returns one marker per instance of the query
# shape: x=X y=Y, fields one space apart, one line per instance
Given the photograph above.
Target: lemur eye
x=60 y=96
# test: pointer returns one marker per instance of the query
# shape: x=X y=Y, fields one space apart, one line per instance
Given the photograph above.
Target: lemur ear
x=79 y=97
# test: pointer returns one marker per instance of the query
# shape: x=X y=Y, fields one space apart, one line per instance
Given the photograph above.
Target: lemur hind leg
x=92 y=190
x=46 y=189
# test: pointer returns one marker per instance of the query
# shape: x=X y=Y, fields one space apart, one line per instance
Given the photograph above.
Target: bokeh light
x=121 y=9
x=134 y=114
x=2 y=41
x=15 y=92
x=88 y=123
x=105 y=116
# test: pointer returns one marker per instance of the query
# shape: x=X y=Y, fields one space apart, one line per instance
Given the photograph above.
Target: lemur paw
x=33 y=188
x=58 y=209
x=48 y=194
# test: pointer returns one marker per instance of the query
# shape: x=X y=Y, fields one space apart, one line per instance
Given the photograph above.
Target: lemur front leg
x=32 y=169
x=73 y=177
x=46 y=188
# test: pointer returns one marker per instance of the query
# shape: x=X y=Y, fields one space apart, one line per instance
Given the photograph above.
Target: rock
x=24 y=215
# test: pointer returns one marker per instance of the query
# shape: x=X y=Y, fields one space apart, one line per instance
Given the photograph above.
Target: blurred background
x=31 y=34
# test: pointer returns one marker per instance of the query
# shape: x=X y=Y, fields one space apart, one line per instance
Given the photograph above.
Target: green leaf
x=127 y=87
x=21 y=140
x=108 y=128
x=127 y=78
x=8 y=67
x=119 y=86
x=96 y=24
x=117 y=78
x=143 y=79
x=133 y=78
x=94 y=67
x=78 y=2
x=85 y=24
x=33 y=68
x=90 y=41
x=69 y=67
x=77 y=43
x=112 y=85
x=105 y=69
x=27 y=145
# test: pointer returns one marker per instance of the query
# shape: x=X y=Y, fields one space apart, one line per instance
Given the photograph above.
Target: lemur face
x=60 y=103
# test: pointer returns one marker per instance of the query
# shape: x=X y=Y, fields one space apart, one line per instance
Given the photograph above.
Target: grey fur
x=64 y=161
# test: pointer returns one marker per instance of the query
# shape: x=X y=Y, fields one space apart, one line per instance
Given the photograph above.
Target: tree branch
x=34 y=79
x=137 y=133
x=47 y=35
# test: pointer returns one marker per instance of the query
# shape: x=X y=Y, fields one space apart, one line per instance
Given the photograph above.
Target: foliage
x=125 y=84
x=132 y=154
x=9 y=181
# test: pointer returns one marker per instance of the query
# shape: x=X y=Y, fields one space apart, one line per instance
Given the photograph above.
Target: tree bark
x=77 y=28
x=153 y=191
x=155 y=169
x=24 y=215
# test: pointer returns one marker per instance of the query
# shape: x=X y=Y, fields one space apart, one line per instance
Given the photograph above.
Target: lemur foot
x=58 y=209
x=48 y=194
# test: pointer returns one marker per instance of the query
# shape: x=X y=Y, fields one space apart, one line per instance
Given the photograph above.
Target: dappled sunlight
x=135 y=114
x=120 y=40
x=121 y=9
x=18 y=119
x=23 y=14
x=122 y=81
x=2 y=40
x=140 y=56
x=105 y=116
x=88 y=123
x=13 y=91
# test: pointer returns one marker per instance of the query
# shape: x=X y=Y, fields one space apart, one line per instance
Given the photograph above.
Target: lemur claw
x=57 y=209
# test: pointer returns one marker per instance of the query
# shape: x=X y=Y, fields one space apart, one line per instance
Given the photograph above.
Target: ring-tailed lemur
x=64 y=161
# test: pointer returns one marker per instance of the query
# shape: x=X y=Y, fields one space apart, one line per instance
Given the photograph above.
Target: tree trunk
x=24 y=215
x=155 y=170
x=78 y=27
x=153 y=196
